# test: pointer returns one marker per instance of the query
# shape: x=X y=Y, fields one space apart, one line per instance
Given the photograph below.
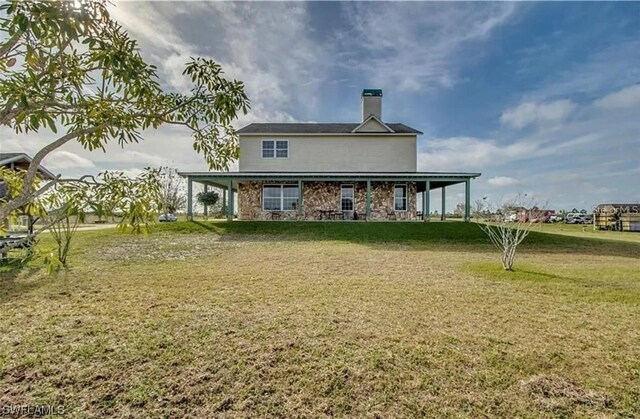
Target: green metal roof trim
x=323 y=128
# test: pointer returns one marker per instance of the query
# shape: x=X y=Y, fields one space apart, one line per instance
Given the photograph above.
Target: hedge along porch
x=329 y=196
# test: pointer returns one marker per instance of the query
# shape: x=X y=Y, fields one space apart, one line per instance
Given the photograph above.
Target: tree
x=99 y=210
x=174 y=197
x=75 y=72
x=209 y=198
x=478 y=208
x=508 y=226
x=459 y=209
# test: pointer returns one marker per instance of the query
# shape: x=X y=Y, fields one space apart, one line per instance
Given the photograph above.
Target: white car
x=555 y=218
x=168 y=218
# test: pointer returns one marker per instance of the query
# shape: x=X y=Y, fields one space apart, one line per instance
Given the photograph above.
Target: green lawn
x=258 y=319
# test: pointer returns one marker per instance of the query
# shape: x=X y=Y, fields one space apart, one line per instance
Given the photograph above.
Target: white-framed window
x=400 y=198
x=347 y=198
x=279 y=197
x=275 y=149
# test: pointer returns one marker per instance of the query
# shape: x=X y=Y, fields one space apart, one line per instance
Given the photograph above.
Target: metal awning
x=436 y=179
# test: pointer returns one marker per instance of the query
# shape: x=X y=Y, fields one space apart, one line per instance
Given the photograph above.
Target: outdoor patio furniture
x=13 y=242
x=329 y=214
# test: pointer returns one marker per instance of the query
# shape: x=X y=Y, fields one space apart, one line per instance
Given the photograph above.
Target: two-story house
x=328 y=171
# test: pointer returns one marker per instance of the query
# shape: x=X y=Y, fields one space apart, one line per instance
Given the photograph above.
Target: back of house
x=367 y=146
x=331 y=171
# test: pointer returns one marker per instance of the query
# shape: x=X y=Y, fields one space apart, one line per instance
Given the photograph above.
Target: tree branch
x=26 y=195
x=40 y=155
x=8 y=46
x=22 y=200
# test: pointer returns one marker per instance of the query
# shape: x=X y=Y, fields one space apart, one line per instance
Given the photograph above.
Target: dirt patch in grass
x=158 y=247
x=555 y=393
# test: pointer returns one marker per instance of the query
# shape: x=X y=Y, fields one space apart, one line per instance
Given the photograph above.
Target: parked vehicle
x=579 y=219
x=168 y=218
x=556 y=219
x=573 y=218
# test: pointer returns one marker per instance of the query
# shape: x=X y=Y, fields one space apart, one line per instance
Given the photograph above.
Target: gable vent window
x=278 y=149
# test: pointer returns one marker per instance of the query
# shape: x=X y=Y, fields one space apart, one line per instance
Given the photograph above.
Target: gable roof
x=322 y=128
x=372 y=120
x=8 y=158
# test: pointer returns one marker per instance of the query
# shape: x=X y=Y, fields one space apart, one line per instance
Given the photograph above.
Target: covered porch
x=329 y=196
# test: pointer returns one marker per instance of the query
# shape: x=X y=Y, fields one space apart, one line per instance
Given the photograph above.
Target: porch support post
x=206 y=207
x=426 y=210
x=224 y=200
x=230 y=198
x=467 y=200
x=368 y=200
x=300 y=198
x=189 y=199
x=444 y=201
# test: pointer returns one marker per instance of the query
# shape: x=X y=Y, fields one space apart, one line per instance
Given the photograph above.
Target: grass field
x=213 y=319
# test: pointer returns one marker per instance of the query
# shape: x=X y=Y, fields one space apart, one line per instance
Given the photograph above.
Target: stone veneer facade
x=326 y=196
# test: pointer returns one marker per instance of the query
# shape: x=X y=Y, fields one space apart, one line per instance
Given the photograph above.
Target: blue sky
x=542 y=98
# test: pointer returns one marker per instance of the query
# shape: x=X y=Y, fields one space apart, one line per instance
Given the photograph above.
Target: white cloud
x=252 y=42
x=130 y=155
x=132 y=173
x=414 y=46
x=469 y=153
x=502 y=181
x=529 y=113
x=60 y=160
x=628 y=97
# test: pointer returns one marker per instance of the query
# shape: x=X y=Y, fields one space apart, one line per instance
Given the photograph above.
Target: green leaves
x=209 y=198
x=11 y=183
x=105 y=87
x=75 y=70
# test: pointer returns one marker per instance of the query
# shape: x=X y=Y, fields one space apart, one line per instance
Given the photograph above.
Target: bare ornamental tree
x=172 y=190
x=507 y=226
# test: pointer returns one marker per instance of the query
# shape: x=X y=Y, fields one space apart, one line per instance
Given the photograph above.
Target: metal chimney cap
x=372 y=92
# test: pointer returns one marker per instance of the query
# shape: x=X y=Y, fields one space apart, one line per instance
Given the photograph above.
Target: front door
x=347 y=201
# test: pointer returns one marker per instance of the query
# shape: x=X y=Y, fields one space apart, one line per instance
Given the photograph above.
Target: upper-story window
x=278 y=149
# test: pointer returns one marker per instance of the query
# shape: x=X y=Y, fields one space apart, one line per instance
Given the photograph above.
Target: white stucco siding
x=360 y=153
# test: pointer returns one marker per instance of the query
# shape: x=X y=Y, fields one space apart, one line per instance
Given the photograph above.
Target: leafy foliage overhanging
x=74 y=71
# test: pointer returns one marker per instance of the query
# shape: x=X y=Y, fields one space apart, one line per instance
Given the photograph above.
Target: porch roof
x=22 y=161
x=436 y=179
